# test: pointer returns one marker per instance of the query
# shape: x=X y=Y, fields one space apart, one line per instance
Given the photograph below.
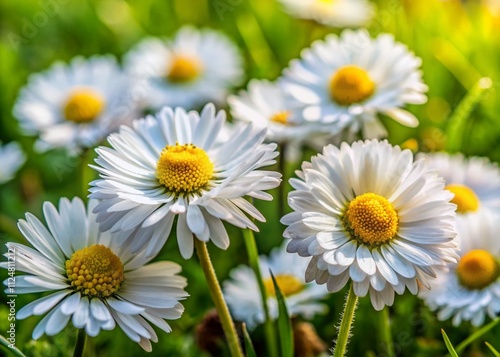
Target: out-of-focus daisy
x=474 y=181
x=196 y=67
x=346 y=82
x=242 y=290
x=335 y=13
x=174 y=164
x=263 y=104
x=369 y=214
x=470 y=290
x=93 y=278
x=75 y=105
x=12 y=158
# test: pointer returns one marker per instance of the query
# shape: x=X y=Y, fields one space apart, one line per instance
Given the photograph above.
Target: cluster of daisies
x=364 y=212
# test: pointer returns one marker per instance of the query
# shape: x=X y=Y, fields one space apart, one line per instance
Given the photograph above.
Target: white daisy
x=75 y=105
x=264 y=105
x=93 y=279
x=196 y=67
x=370 y=214
x=335 y=13
x=345 y=82
x=242 y=291
x=470 y=290
x=174 y=164
x=474 y=181
x=12 y=158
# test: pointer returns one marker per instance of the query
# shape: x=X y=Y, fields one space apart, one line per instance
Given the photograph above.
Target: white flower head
x=335 y=13
x=345 y=82
x=370 y=214
x=75 y=105
x=470 y=290
x=93 y=279
x=242 y=294
x=12 y=158
x=175 y=165
x=474 y=181
x=196 y=67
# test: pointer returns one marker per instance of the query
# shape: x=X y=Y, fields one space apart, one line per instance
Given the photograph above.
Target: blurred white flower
x=370 y=214
x=93 y=279
x=470 y=290
x=12 y=158
x=243 y=297
x=76 y=105
x=196 y=67
x=176 y=165
x=345 y=82
x=335 y=13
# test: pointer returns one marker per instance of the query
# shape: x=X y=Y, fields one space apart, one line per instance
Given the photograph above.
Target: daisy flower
x=474 y=181
x=470 y=290
x=175 y=164
x=12 y=158
x=243 y=297
x=196 y=67
x=75 y=105
x=335 y=13
x=93 y=279
x=369 y=214
x=343 y=83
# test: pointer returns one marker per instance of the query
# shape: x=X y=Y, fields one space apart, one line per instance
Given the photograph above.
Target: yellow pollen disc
x=83 y=106
x=184 y=69
x=184 y=168
x=371 y=219
x=477 y=269
x=281 y=117
x=288 y=285
x=351 y=84
x=95 y=271
x=465 y=199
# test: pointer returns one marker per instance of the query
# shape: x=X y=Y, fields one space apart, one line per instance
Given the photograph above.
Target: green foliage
x=285 y=330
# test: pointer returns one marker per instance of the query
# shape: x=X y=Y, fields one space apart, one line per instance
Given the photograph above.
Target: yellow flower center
x=465 y=199
x=184 y=69
x=281 y=117
x=95 y=271
x=371 y=219
x=184 y=168
x=288 y=285
x=83 y=106
x=477 y=269
x=351 y=84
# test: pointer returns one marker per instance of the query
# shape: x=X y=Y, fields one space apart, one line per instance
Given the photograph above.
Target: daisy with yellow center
x=92 y=280
x=346 y=93
x=74 y=106
x=470 y=289
x=242 y=290
x=196 y=66
x=367 y=213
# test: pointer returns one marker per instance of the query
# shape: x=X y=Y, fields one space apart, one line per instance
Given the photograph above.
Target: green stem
x=7 y=346
x=86 y=173
x=384 y=327
x=253 y=258
x=80 y=343
x=218 y=299
x=345 y=325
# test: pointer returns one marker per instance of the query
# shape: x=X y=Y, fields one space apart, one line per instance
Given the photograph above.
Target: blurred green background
x=457 y=41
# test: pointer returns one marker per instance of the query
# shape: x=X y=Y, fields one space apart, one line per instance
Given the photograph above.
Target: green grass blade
x=492 y=349
x=13 y=351
x=285 y=331
x=461 y=346
x=448 y=344
x=250 y=351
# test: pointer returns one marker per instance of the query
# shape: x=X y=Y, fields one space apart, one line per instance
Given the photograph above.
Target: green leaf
x=462 y=345
x=14 y=351
x=250 y=352
x=492 y=349
x=448 y=344
x=285 y=331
